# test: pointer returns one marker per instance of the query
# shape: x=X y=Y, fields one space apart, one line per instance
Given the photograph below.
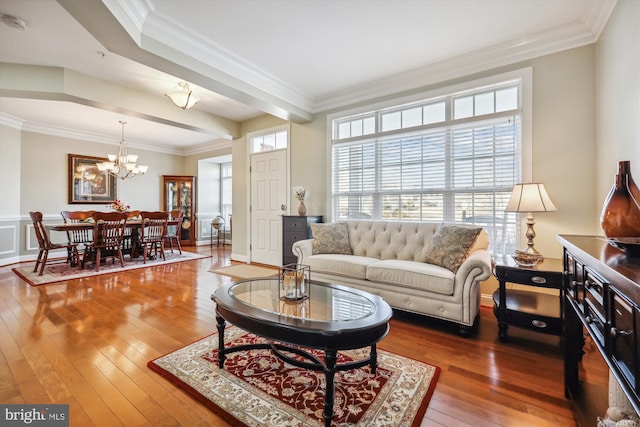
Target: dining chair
x=82 y=236
x=173 y=231
x=130 y=235
x=108 y=232
x=45 y=244
x=152 y=232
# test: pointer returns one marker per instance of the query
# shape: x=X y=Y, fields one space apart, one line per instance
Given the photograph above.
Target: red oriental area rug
x=257 y=388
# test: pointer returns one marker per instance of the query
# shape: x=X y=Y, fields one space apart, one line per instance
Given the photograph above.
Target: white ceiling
x=245 y=58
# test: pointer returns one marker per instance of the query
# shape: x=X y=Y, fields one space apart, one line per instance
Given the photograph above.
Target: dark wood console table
x=602 y=296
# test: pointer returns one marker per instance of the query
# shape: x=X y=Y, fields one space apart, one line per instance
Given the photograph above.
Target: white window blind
x=453 y=159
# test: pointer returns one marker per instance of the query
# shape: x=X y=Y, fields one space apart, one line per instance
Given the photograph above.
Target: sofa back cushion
x=390 y=239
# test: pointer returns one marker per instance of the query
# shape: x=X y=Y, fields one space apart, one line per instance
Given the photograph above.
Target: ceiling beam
x=60 y=84
x=126 y=40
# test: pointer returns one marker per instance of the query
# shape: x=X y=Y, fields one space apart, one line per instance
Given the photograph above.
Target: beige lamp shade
x=530 y=197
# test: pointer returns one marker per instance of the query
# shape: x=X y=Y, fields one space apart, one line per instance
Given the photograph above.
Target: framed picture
x=88 y=184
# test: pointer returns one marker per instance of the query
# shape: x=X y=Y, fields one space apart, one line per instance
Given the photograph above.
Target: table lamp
x=530 y=197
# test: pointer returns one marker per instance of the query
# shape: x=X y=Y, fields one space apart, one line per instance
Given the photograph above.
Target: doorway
x=268 y=203
x=214 y=198
x=269 y=194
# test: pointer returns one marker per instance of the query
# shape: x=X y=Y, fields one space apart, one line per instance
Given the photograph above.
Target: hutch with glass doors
x=179 y=193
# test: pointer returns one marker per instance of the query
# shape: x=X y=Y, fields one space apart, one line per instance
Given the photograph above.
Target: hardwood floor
x=86 y=342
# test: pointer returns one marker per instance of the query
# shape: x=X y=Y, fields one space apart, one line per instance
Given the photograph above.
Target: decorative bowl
x=526 y=260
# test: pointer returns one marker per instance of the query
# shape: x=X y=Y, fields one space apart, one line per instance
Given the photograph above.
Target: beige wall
x=10 y=188
x=309 y=164
x=44 y=174
x=563 y=145
x=618 y=96
x=10 y=151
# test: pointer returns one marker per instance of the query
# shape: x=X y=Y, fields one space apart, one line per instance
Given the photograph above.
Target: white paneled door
x=268 y=204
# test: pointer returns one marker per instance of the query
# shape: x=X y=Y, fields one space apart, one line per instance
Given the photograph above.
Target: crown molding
x=65 y=132
x=206 y=147
x=176 y=43
x=131 y=14
x=561 y=38
x=46 y=129
x=167 y=31
x=596 y=15
x=584 y=31
x=11 y=121
x=210 y=65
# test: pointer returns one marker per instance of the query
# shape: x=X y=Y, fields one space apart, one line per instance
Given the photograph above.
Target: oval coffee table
x=333 y=318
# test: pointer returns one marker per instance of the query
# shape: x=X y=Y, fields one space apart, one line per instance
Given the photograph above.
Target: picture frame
x=88 y=184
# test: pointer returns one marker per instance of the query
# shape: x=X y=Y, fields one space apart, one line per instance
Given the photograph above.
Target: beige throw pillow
x=331 y=238
x=450 y=245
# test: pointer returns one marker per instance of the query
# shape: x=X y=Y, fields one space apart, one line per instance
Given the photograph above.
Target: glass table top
x=326 y=302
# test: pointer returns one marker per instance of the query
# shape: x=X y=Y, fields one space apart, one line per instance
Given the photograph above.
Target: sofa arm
x=302 y=249
x=477 y=264
x=475 y=268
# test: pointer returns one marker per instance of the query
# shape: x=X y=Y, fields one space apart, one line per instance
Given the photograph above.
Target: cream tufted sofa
x=388 y=259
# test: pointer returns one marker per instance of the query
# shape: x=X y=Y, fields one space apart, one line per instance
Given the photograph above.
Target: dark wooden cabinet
x=295 y=228
x=602 y=300
x=179 y=193
x=528 y=308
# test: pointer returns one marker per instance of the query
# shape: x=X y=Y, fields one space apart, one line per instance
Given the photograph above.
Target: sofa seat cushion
x=413 y=275
x=340 y=265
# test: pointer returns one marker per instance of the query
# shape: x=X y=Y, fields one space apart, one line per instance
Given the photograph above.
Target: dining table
x=133 y=224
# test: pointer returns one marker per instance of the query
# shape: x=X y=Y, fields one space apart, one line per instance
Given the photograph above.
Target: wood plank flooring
x=86 y=343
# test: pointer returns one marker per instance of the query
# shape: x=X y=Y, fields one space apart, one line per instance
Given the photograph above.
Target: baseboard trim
x=486 y=300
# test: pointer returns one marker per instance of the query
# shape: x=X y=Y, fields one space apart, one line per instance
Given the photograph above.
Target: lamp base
x=530 y=250
x=531 y=234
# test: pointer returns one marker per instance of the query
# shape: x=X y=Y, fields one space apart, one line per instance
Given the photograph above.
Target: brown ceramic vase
x=621 y=212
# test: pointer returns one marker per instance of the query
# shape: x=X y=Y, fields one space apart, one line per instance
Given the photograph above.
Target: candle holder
x=294 y=282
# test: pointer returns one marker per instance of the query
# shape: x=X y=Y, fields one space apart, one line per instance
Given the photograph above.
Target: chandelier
x=122 y=165
x=182 y=96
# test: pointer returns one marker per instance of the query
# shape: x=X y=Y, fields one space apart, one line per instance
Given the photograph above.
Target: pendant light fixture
x=182 y=96
x=123 y=165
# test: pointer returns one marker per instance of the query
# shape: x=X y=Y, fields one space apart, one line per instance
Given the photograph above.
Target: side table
x=528 y=308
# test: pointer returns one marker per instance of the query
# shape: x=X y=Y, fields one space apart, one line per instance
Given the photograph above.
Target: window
x=275 y=139
x=226 y=179
x=451 y=158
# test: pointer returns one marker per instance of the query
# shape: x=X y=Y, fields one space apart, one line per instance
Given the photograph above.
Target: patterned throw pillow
x=450 y=245
x=331 y=238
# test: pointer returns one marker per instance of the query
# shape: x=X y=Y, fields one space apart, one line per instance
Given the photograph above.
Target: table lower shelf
x=529 y=310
